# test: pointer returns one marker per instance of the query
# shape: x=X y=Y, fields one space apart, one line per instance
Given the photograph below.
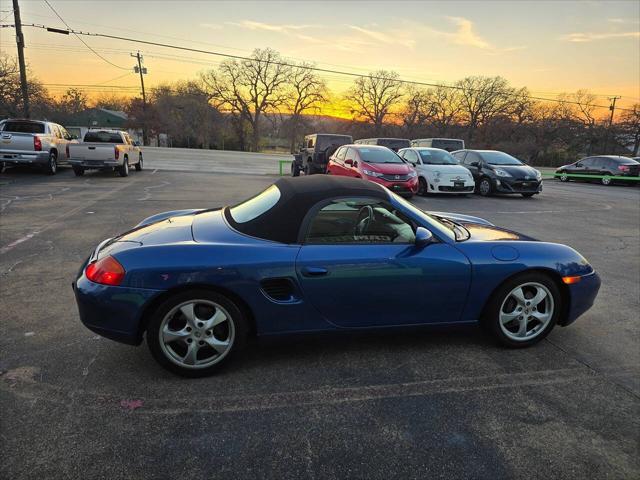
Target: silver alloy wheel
x=192 y=341
x=564 y=177
x=53 y=163
x=605 y=180
x=526 y=311
x=485 y=187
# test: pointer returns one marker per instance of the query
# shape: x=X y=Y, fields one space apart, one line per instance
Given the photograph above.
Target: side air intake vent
x=278 y=289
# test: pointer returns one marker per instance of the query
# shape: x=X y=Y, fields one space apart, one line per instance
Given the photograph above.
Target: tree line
x=266 y=101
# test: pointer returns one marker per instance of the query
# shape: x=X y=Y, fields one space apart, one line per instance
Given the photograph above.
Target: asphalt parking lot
x=428 y=404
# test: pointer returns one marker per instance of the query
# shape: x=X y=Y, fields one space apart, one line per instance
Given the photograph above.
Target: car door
x=350 y=163
x=376 y=276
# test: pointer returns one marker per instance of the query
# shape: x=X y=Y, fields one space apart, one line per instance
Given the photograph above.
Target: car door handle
x=314 y=271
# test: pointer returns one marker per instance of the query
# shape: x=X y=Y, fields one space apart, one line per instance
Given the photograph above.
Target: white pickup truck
x=105 y=150
x=34 y=142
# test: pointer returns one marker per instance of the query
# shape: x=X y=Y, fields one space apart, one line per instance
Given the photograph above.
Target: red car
x=375 y=163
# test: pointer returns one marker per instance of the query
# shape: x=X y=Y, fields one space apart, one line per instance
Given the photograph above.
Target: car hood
x=388 y=168
x=446 y=169
x=521 y=172
x=481 y=229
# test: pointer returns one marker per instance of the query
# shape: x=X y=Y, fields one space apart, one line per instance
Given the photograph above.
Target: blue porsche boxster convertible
x=321 y=253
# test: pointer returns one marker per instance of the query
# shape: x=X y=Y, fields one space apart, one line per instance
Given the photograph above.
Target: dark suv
x=499 y=172
x=601 y=168
x=315 y=152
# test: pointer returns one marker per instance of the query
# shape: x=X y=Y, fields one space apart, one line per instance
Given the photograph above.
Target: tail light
x=116 y=152
x=37 y=144
x=106 y=271
x=624 y=168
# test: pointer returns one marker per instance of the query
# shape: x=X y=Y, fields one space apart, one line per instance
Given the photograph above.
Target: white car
x=438 y=171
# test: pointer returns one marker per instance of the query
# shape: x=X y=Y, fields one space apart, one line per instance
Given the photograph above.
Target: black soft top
x=298 y=195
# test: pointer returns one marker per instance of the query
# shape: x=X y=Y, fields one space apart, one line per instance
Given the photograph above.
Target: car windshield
x=437 y=157
x=256 y=206
x=103 y=137
x=449 y=145
x=454 y=231
x=500 y=158
x=379 y=155
x=23 y=127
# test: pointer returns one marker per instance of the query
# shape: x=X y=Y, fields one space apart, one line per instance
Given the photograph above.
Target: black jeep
x=315 y=152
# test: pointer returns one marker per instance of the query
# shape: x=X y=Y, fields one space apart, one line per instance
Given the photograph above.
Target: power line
x=288 y=64
x=78 y=37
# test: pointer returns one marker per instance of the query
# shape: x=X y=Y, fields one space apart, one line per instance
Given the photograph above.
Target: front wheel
x=564 y=177
x=194 y=333
x=123 y=171
x=52 y=164
x=423 y=189
x=485 y=188
x=139 y=165
x=523 y=310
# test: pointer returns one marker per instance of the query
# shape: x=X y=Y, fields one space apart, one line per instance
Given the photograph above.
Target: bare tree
x=373 y=96
x=482 y=99
x=249 y=88
x=416 y=110
x=630 y=126
x=445 y=107
x=306 y=91
x=74 y=101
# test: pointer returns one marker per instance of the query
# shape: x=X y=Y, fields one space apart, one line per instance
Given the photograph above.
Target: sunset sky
x=548 y=46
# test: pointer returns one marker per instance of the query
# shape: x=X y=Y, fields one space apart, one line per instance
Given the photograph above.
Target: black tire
x=295 y=169
x=528 y=195
x=423 y=188
x=123 y=171
x=308 y=169
x=485 y=187
x=563 y=176
x=79 y=171
x=140 y=164
x=606 y=180
x=3 y=167
x=240 y=325
x=52 y=164
x=491 y=316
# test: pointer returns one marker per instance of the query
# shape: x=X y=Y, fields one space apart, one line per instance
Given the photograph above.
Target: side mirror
x=348 y=162
x=423 y=237
x=578 y=164
x=474 y=164
x=355 y=163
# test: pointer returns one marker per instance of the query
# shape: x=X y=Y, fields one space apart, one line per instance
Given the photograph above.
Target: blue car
x=316 y=254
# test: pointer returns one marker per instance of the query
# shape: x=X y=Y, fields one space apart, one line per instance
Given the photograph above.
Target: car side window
x=587 y=162
x=56 y=131
x=459 y=156
x=310 y=143
x=472 y=157
x=342 y=151
x=412 y=157
x=358 y=221
x=350 y=155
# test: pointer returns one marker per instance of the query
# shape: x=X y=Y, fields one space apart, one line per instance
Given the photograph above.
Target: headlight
x=502 y=173
x=371 y=173
x=412 y=174
x=538 y=175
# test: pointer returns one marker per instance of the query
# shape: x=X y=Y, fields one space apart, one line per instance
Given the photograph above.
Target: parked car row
x=48 y=145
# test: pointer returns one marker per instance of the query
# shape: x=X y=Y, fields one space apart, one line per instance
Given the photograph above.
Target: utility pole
x=612 y=107
x=23 y=68
x=142 y=71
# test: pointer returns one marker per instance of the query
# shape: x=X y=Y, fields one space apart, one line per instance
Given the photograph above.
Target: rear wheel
x=423 y=189
x=605 y=180
x=52 y=164
x=123 y=171
x=485 y=188
x=308 y=169
x=295 y=169
x=79 y=171
x=140 y=164
x=523 y=310
x=194 y=333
